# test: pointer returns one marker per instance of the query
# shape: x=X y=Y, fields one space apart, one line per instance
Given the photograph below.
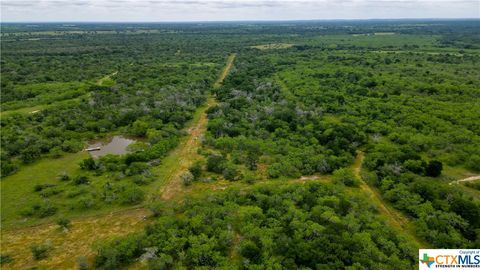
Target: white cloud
x=212 y=10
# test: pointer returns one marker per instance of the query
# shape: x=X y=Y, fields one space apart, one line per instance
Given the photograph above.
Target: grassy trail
x=394 y=217
x=225 y=71
x=107 y=80
x=185 y=154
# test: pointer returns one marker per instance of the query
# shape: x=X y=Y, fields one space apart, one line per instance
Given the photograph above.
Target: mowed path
x=394 y=217
x=85 y=231
x=184 y=155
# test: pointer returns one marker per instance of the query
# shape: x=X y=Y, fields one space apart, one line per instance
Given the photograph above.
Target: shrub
x=50 y=192
x=44 y=209
x=40 y=187
x=273 y=170
x=231 y=173
x=119 y=252
x=131 y=195
x=137 y=168
x=434 y=168
x=81 y=180
x=63 y=176
x=187 y=178
x=63 y=223
x=56 y=152
x=415 y=166
x=89 y=164
x=40 y=251
x=196 y=169
x=76 y=191
x=157 y=208
x=215 y=163
x=71 y=146
x=140 y=180
x=5 y=258
x=85 y=202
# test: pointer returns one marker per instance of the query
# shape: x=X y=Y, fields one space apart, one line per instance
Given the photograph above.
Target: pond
x=117 y=145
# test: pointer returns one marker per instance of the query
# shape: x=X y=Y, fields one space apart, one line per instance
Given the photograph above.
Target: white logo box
x=448 y=259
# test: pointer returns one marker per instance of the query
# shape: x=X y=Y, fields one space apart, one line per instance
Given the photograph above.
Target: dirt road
x=186 y=153
x=394 y=217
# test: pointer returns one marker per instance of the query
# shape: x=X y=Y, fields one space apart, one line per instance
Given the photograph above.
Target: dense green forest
x=311 y=226
x=304 y=119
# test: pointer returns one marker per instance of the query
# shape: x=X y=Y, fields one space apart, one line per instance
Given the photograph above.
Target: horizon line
x=243 y=21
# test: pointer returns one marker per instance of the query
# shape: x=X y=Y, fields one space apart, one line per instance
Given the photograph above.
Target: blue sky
x=227 y=10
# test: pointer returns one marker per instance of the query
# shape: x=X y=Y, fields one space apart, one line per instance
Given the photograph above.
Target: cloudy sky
x=228 y=10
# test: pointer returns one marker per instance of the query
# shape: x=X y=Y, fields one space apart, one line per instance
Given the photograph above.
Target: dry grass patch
x=67 y=246
x=273 y=46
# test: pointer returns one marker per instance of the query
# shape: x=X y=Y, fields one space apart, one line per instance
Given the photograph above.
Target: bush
x=40 y=187
x=346 y=177
x=137 y=168
x=45 y=209
x=434 y=168
x=120 y=252
x=196 y=169
x=63 y=176
x=71 y=146
x=63 y=223
x=56 y=152
x=273 y=170
x=415 y=166
x=85 y=202
x=5 y=258
x=81 y=180
x=89 y=164
x=40 y=251
x=157 y=208
x=77 y=191
x=231 y=173
x=187 y=178
x=132 y=195
x=140 y=180
x=215 y=163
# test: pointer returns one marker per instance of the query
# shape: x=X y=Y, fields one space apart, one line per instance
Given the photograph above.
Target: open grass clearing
x=67 y=246
x=273 y=46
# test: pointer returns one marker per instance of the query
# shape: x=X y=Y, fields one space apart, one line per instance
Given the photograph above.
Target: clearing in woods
x=273 y=46
x=85 y=231
x=183 y=156
x=67 y=246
